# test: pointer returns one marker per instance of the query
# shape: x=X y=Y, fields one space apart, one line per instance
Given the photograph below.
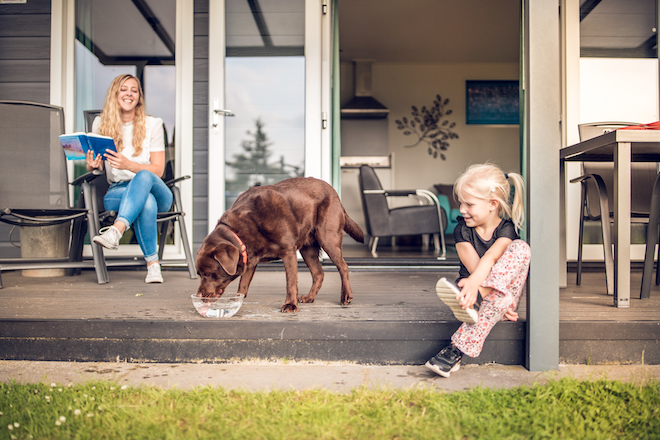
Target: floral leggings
x=507 y=279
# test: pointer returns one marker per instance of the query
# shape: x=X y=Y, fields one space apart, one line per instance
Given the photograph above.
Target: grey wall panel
x=24 y=71
x=201 y=47
x=201 y=89
x=201 y=24
x=201 y=138
x=31 y=7
x=200 y=123
x=24 y=48
x=37 y=25
x=35 y=92
x=200 y=116
x=200 y=163
x=201 y=7
x=201 y=70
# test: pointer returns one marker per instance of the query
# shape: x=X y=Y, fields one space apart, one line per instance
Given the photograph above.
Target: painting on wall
x=493 y=102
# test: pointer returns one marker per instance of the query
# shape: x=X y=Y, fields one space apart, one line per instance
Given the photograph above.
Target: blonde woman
x=494 y=261
x=136 y=190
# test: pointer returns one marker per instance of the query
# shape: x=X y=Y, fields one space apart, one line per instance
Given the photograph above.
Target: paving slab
x=335 y=377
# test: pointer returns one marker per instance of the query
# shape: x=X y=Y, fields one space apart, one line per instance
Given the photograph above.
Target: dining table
x=621 y=147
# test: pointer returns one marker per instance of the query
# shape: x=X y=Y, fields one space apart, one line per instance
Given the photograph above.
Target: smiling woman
x=127 y=37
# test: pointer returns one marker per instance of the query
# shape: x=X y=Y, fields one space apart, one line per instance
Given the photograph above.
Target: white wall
x=402 y=85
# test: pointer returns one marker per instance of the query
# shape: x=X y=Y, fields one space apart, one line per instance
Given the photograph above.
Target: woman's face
x=128 y=96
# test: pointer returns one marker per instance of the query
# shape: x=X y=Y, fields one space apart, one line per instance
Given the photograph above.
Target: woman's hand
x=117 y=160
x=93 y=163
x=469 y=292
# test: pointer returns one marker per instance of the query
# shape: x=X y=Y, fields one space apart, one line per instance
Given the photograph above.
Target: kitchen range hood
x=363 y=105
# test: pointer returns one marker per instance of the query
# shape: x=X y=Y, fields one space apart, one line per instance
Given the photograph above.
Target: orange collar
x=242 y=245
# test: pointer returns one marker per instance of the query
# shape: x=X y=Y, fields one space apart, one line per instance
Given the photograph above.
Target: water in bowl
x=218 y=308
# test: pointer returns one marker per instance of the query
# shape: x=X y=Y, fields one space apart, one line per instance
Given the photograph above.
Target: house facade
x=252 y=91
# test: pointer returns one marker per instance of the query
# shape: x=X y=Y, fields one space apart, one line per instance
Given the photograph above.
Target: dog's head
x=217 y=265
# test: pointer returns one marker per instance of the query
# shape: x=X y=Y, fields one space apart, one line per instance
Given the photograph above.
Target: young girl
x=494 y=261
x=136 y=190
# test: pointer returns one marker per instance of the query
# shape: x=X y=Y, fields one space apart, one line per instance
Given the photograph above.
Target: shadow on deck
x=395 y=318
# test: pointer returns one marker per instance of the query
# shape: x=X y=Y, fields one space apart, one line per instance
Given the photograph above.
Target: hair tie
x=506 y=176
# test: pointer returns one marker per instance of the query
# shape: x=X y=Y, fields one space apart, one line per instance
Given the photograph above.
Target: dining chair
x=596 y=198
x=34 y=191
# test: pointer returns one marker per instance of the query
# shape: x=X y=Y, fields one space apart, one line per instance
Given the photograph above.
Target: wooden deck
x=395 y=318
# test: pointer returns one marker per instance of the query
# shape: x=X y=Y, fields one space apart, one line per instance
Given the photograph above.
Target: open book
x=76 y=145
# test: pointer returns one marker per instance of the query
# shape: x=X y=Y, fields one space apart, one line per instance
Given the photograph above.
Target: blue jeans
x=137 y=203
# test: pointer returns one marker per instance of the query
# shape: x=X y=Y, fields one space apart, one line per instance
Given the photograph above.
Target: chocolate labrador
x=272 y=222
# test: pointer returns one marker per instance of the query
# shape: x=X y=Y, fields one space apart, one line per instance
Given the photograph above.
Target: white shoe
x=153 y=274
x=109 y=238
x=447 y=291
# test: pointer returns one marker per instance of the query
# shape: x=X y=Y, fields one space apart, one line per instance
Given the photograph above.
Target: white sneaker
x=447 y=291
x=153 y=274
x=109 y=238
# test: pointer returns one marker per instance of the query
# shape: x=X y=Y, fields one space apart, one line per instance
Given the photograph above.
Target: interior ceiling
x=430 y=30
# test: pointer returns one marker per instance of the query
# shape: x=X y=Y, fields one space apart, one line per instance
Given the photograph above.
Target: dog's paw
x=289 y=308
x=306 y=299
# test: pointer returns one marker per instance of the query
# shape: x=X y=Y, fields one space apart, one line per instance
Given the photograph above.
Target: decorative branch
x=426 y=125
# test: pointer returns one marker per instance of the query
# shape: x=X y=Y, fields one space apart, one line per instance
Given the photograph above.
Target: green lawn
x=563 y=409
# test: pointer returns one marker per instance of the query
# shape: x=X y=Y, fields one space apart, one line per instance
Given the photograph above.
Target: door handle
x=216 y=114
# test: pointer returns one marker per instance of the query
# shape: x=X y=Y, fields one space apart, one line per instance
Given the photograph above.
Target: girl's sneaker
x=447 y=291
x=445 y=362
x=153 y=274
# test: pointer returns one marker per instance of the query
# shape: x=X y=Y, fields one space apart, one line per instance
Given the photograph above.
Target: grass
x=565 y=409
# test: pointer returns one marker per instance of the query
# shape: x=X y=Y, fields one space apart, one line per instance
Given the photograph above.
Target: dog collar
x=242 y=245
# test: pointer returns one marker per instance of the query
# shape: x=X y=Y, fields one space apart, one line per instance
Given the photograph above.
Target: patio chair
x=97 y=186
x=596 y=197
x=34 y=192
x=381 y=221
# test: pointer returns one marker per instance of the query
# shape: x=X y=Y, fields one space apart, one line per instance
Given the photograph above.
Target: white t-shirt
x=153 y=141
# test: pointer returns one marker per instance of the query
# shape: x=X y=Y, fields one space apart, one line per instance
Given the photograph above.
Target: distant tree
x=430 y=126
x=253 y=166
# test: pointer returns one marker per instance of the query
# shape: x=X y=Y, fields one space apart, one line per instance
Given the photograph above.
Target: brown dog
x=271 y=222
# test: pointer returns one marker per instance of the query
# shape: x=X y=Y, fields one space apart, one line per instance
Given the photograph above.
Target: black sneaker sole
x=437 y=369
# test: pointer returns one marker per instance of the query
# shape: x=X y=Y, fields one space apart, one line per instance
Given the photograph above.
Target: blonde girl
x=494 y=261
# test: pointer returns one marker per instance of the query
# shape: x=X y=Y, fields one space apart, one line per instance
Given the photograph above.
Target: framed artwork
x=493 y=102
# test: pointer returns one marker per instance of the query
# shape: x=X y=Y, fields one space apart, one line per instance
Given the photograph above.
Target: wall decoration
x=492 y=102
x=429 y=125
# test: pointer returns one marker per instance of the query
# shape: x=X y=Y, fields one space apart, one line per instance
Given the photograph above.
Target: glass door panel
x=265 y=90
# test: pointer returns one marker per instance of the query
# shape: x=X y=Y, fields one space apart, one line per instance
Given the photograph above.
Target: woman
x=136 y=190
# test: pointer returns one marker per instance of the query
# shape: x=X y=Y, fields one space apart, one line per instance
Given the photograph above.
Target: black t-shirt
x=464 y=233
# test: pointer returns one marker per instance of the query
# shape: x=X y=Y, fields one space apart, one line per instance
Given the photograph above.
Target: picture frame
x=492 y=102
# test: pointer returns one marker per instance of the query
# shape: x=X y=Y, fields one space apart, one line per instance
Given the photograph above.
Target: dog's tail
x=353 y=229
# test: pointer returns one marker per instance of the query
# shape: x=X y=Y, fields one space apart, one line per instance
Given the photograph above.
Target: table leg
x=622 y=224
x=562 y=225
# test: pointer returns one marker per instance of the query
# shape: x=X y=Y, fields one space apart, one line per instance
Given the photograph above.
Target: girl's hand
x=92 y=162
x=469 y=293
x=117 y=160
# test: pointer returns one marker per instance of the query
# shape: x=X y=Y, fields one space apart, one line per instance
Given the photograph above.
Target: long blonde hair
x=488 y=182
x=111 y=123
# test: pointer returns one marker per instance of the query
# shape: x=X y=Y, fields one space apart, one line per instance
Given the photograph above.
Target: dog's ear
x=227 y=255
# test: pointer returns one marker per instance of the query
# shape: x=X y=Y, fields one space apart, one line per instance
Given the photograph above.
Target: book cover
x=76 y=145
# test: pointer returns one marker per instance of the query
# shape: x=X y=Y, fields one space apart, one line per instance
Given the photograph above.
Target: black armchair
x=381 y=221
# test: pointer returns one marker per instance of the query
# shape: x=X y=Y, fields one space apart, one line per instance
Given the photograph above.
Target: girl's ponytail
x=517 y=205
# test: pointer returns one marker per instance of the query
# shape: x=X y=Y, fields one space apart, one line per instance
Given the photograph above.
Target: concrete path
x=337 y=377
